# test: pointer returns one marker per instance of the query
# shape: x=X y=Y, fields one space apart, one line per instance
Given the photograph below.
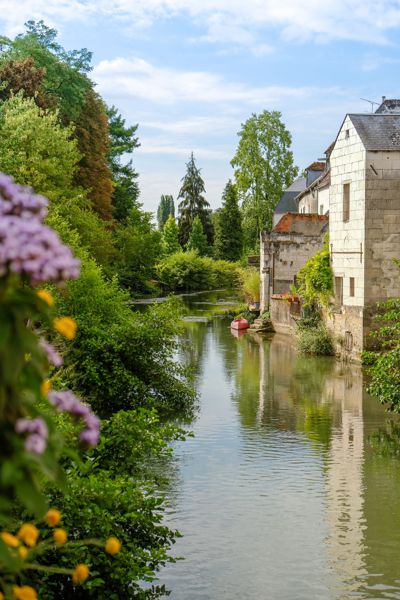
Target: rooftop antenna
x=371 y=102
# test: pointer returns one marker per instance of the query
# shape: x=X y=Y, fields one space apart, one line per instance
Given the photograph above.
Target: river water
x=290 y=489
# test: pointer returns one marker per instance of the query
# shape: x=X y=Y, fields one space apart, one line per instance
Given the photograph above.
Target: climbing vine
x=315 y=279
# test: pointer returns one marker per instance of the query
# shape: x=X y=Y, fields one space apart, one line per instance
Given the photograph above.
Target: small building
x=315 y=198
x=364 y=221
x=284 y=250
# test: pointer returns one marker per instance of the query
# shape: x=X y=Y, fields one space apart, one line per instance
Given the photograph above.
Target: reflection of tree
x=192 y=348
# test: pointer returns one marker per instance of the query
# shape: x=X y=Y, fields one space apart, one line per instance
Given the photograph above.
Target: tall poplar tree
x=264 y=167
x=165 y=209
x=170 y=236
x=193 y=204
x=228 y=244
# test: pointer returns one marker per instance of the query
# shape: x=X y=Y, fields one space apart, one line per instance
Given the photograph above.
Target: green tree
x=36 y=149
x=264 y=167
x=193 y=204
x=197 y=238
x=123 y=141
x=165 y=209
x=228 y=242
x=170 y=236
x=65 y=83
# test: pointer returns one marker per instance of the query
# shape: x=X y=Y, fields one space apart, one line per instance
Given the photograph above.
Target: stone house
x=284 y=250
x=360 y=191
x=288 y=202
x=364 y=222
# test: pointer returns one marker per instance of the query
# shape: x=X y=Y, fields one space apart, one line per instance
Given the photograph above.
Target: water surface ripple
x=290 y=488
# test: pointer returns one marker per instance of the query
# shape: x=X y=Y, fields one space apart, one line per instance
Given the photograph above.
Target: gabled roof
x=389 y=105
x=316 y=166
x=378 y=131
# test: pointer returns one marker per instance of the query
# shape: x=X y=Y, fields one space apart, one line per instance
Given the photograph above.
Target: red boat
x=240 y=324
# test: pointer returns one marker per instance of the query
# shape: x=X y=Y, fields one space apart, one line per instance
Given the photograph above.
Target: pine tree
x=228 y=243
x=164 y=210
x=170 y=236
x=123 y=141
x=197 y=238
x=193 y=204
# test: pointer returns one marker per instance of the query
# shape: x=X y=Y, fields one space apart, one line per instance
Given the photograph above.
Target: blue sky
x=191 y=71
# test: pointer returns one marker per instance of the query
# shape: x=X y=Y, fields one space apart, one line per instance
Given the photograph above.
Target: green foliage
x=228 y=242
x=170 y=236
x=65 y=83
x=264 y=167
x=315 y=340
x=193 y=204
x=250 y=281
x=165 y=209
x=190 y=272
x=123 y=141
x=315 y=279
x=197 y=241
x=36 y=150
x=384 y=361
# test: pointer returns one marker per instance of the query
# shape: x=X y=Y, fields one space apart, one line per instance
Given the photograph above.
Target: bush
x=315 y=279
x=189 y=272
x=315 y=340
x=250 y=279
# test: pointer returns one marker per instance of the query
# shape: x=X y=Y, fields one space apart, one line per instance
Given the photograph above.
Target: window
x=346 y=202
x=321 y=209
x=352 y=287
x=339 y=291
x=347 y=134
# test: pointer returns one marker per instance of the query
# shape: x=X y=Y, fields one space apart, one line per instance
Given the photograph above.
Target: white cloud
x=136 y=78
x=227 y=21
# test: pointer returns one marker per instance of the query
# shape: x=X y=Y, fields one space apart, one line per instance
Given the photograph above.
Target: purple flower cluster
x=38 y=433
x=67 y=402
x=52 y=355
x=27 y=246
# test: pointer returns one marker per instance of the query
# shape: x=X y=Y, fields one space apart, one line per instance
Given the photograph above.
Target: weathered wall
x=348 y=166
x=382 y=222
x=282 y=319
x=308 y=202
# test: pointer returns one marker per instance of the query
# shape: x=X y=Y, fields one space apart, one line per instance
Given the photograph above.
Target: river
x=290 y=487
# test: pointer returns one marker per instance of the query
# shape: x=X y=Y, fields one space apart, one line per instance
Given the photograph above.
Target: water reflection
x=288 y=490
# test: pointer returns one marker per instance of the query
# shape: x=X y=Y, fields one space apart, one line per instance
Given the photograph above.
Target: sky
x=190 y=72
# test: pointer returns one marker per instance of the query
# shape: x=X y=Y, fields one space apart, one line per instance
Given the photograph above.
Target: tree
x=165 y=209
x=65 y=83
x=264 y=167
x=93 y=172
x=170 y=236
x=197 y=238
x=123 y=140
x=228 y=244
x=193 y=204
x=17 y=75
x=36 y=150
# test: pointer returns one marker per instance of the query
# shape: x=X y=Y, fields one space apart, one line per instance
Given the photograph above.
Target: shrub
x=187 y=271
x=315 y=340
x=250 y=279
x=315 y=279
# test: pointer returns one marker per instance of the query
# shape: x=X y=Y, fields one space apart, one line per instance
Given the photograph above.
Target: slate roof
x=287 y=203
x=389 y=105
x=378 y=131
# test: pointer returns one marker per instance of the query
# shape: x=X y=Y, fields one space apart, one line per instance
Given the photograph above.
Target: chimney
x=383 y=99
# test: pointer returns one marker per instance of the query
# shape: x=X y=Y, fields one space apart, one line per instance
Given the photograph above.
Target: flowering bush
x=32 y=254
x=25 y=551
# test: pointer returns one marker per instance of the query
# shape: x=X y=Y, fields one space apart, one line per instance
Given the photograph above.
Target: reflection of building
x=323 y=399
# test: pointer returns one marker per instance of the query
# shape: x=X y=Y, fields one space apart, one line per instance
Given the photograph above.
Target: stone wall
x=382 y=222
x=283 y=316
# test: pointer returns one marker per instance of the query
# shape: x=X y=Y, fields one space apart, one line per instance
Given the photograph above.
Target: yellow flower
x=66 y=327
x=112 y=546
x=29 y=534
x=46 y=297
x=60 y=536
x=24 y=592
x=53 y=517
x=23 y=552
x=80 y=573
x=1 y=596
x=9 y=539
x=45 y=387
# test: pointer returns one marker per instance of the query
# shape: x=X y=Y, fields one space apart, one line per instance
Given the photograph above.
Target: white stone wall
x=323 y=200
x=308 y=202
x=348 y=160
